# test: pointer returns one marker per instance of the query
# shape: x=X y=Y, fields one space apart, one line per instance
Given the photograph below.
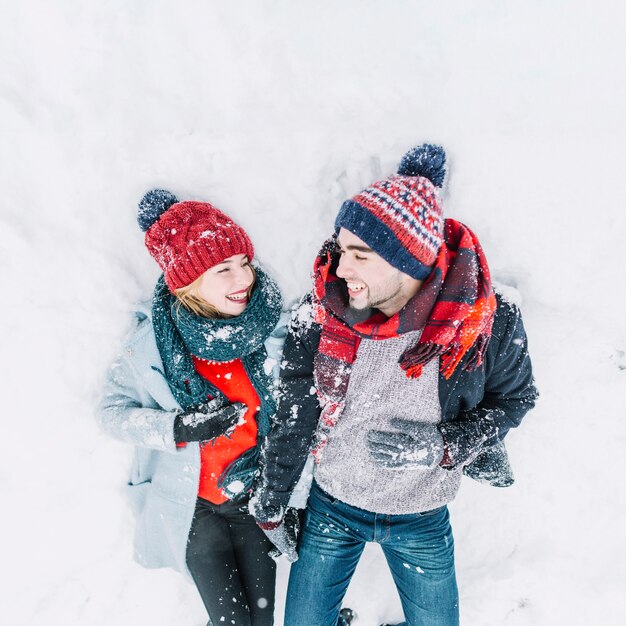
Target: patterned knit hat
x=400 y=217
x=187 y=238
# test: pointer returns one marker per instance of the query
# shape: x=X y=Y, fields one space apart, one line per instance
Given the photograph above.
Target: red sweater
x=231 y=379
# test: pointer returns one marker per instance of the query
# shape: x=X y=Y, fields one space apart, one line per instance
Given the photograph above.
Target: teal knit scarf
x=181 y=334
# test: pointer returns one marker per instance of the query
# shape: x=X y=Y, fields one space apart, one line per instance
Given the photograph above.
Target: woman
x=192 y=391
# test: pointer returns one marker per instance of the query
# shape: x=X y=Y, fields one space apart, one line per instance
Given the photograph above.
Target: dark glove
x=491 y=466
x=285 y=536
x=415 y=445
x=465 y=437
x=280 y=526
x=208 y=421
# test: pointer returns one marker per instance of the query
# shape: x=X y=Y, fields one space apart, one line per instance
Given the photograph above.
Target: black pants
x=227 y=557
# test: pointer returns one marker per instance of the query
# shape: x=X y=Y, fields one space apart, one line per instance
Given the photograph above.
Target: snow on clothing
x=187 y=238
x=418 y=549
x=346 y=469
x=453 y=310
x=139 y=407
x=502 y=384
x=401 y=217
x=217 y=454
x=182 y=336
x=228 y=557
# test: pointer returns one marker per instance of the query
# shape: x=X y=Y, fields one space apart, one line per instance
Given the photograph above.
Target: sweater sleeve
x=509 y=382
x=288 y=444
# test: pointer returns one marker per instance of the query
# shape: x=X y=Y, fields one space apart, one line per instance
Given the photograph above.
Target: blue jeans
x=418 y=547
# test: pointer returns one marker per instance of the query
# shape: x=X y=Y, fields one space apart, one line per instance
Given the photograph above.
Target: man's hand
x=208 y=421
x=465 y=437
x=415 y=445
x=491 y=467
x=280 y=526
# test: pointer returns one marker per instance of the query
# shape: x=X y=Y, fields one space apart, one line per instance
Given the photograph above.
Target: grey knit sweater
x=378 y=391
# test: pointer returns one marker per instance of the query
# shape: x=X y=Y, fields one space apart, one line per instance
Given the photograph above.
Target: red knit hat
x=187 y=238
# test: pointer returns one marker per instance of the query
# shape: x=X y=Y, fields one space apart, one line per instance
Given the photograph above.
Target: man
x=401 y=370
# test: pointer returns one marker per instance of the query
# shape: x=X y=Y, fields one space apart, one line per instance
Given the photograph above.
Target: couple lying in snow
x=400 y=371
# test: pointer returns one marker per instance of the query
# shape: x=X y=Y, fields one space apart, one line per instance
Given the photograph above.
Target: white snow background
x=277 y=111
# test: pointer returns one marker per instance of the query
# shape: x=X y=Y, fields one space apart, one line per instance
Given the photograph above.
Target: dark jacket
x=504 y=381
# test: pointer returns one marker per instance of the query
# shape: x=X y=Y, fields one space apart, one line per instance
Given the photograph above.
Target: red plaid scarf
x=455 y=308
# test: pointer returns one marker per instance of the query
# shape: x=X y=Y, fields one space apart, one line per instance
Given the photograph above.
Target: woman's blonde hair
x=188 y=298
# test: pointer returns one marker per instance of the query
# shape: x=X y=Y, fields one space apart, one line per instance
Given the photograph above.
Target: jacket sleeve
x=510 y=390
x=288 y=444
x=128 y=413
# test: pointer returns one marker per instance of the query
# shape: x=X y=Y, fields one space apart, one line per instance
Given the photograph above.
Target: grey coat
x=137 y=407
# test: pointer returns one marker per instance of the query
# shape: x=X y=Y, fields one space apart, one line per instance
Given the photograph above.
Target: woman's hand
x=208 y=421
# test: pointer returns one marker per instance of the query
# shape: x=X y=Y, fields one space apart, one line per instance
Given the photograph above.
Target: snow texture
x=276 y=112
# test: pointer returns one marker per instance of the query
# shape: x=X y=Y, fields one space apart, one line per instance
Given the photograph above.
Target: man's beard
x=385 y=299
x=361 y=313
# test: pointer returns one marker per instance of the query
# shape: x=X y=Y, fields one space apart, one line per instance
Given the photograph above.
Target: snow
x=235 y=487
x=276 y=112
x=268 y=365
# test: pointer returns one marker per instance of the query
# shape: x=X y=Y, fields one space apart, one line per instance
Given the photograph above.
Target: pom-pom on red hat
x=187 y=238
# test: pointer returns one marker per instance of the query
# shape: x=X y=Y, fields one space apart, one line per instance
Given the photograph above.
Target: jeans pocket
x=319 y=493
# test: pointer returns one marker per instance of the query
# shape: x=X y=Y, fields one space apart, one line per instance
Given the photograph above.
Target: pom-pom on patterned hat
x=400 y=217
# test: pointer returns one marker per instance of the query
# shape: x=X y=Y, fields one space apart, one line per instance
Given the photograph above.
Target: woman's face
x=225 y=286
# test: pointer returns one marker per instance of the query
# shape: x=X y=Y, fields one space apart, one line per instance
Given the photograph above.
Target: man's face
x=371 y=281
